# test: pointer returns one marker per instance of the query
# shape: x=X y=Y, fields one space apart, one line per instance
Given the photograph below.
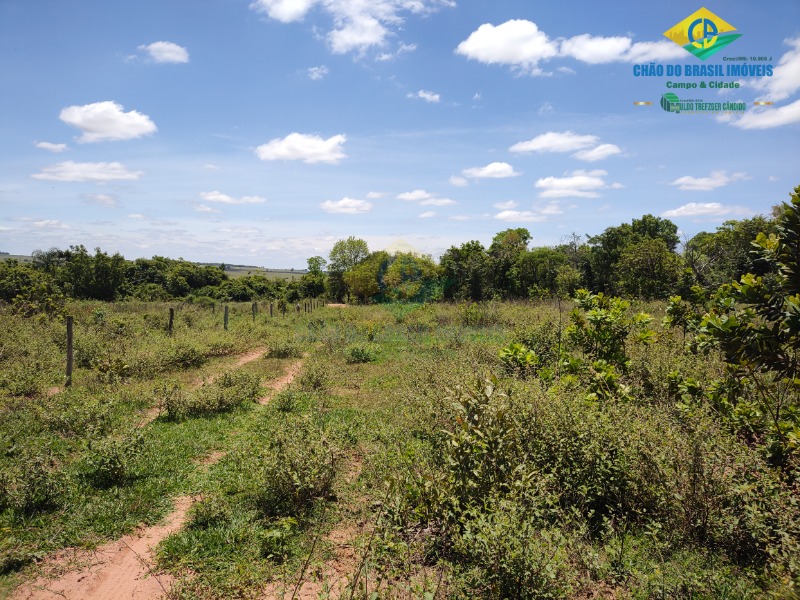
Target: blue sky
x=260 y=132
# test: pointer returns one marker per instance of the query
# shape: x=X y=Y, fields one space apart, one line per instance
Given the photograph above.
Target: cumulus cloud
x=520 y=44
x=427 y=214
x=425 y=198
x=310 y=149
x=357 y=24
x=375 y=195
x=425 y=95
x=785 y=79
x=50 y=147
x=221 y=198
x=567 y=141
x=717 y=179
x=317 y=73
x=101 y=200
x=458 y=181
x=107 y=121
x=520 y=216
x=101 y=172
x=415 y=196
x=495 y=170
x=347 y=206
x=166 y=52
x=510 y=205
x=706 y=209
x=578 y=184
x=769 y=117
x=598 y=153
x=554 y=141
x=538 y=215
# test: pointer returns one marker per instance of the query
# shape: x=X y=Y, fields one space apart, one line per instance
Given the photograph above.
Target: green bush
x=361 y=353
x=111 y=461
x=284 y=349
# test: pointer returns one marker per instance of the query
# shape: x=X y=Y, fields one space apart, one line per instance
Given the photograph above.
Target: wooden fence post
x=70 y=347
x=226 y=317
x=255 y=311
x=171 y=320
x=270 y=310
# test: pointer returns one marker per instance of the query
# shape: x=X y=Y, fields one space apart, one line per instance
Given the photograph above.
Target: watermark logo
x=702 y=33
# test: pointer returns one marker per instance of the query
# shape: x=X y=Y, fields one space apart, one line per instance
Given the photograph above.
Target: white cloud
x=317 y=73
x=520 y=216
x=554 y=141
x=521 y=45
x=598 y=153
x=437 y=202
x=459 y=218
x=768 y=117
x=518 y=43
x=425 y=95
x=402 y=49
x=106 y=121
x=204 y=208
x=285 y=11
x=427 y=215
x=101 y=199
x=458 y=181
x=595 y=50
x=375 y=195
x=51 y=147
x=210 y=167
x=50 y=224
x=310 y=149
x=221 y=198
x=716 y=180
x=357 y=24
x=510 y=205
x=136 y=216
x=706 y=209
x=415 y=196
x=166 y=52
x=495 y=170
x=785 y=79
x=579 y=184
x=347 y=206
x=101 y=172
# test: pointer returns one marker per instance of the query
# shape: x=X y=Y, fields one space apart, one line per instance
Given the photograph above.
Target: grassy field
x=397 y=451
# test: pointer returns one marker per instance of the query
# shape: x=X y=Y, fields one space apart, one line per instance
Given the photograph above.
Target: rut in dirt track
x=124 y=568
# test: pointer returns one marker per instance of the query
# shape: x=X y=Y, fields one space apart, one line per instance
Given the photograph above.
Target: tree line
x=643 y=258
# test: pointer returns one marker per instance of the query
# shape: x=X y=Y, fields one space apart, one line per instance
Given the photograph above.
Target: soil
x=276 y=385
x=114 y=571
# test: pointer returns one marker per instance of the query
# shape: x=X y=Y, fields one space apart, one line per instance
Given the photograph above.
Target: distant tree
x=727 y=254
x=365 y=280
x=504 y=253
x=412 y=278
x=312 y=284
x=648 y=269
x=537 y=271
x=466 y=272
x=343 y=257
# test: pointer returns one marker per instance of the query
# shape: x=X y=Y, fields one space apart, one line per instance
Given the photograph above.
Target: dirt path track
x=123 y=569
x=115 y=571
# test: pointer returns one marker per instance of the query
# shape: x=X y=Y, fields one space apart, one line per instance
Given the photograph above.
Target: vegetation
x=582 y=446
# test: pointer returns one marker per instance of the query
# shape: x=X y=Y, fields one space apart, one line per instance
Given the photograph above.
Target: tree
x=648 y=269
x=365 y=280
x=607 y=247
x=412 y=278
x=504 y=252
x=312 y=284
x=536 y=271
x=756 y=324
x=343 y=257
x=466 y=272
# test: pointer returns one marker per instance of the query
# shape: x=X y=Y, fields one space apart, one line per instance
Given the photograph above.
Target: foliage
x=518 y=359
x=756 y=324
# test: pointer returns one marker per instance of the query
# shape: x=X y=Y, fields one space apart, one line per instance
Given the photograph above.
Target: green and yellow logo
x=702 y=33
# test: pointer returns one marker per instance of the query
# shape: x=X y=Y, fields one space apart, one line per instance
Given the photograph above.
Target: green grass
x=406 y=436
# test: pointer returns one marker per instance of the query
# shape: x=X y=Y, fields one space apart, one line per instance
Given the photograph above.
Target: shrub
x=110 y=462
x=361 y=353
x=284 y=349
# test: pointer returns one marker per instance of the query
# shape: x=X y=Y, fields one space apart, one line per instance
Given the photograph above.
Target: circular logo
x=708 y=35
